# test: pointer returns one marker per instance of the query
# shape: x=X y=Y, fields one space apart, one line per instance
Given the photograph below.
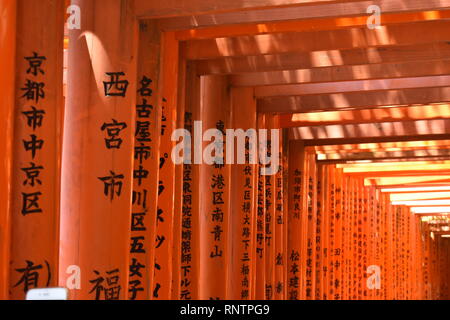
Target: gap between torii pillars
x=7 y=65
x=36 y=149
x=97 y=164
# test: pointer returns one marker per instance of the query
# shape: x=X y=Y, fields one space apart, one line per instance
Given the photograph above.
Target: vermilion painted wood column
x=325 y=235
x=260 y=232
x=318 y=243
x=168 y=102
x=147 y=126
x=332 y=233
x=97 y=173
x=7 y=65
x=215 y=184
x=311 y=197
x=296 y=211
x=269 y=223
x=280 y=227
x=182 y=120
x=243 y=201
x=190 y=231
x=39 y=103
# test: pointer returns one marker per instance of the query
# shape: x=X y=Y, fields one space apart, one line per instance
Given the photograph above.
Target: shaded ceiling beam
x=384 y=146
x=386 y=130
x=311 y=12
x=413 y=165
x=351 y=86
x=408 y=181
x=424 y=203
x=396 y=160
x=343 y=73
x=171 y=8
x=385 y=174
x=428 y=112
x=415 y=189
x=432 y=154
x=321 y=59
x=363 y=37
x=375 y=139
x=352 y=100
x=419 y=196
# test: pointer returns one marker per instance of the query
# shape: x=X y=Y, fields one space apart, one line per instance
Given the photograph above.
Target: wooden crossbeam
x=351 y=86
x=344 y=10
x=352 y=100
x=408 y=181
x=385 y=155
x=170 y=8
x=428 y=112
x=362 y=37
x=327 y=58
x=343 y=73
x=386 y=130
x=383 y=147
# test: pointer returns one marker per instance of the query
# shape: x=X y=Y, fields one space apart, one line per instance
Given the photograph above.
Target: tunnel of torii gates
x=91 y=199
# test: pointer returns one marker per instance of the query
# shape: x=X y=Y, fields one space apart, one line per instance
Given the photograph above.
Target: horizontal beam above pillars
x=363 y=37
x=343 y=73
x=171 y=8
x=374 y=130
x=381 y=155
x=428 y=112
x=351 y=100
x=346 y=10
x=384 y=146
x=419 y=196
x=351 y=86
x=408 y=181
x=327 y=58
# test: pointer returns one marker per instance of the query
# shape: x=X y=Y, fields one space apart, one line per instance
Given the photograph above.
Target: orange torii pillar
x=318 y=241
x=332 y=233
x=270 y=209
x=97 y=172
x=38 y=112
x=146 y=163
x=182 y=120
x=345 y=238
x=168 y=102
x=325 y=234
x=260 y=228
x=338 y=235
x=311 y=197
x=296 y=211
x=215 y=184
x=280 y=227
x=189 y=247
x=243 y=198
x=7 y=77
x=349 y=247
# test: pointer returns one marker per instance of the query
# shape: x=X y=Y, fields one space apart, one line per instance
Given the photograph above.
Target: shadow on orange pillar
x=296 y=213
x=97 y=175
x=215 y=184
x=243 y=200
x=168 y=102
x=7 y=65
x=39 y=104
x=147 y=127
